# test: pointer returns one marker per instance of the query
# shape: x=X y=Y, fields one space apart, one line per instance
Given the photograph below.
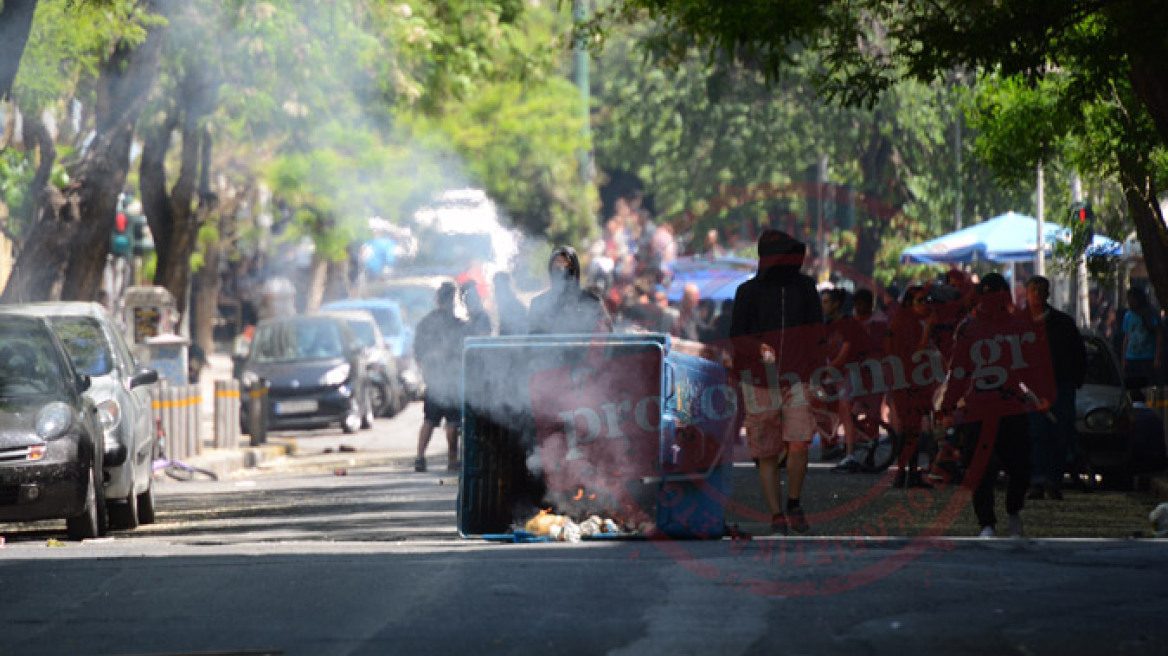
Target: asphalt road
x=307 y=561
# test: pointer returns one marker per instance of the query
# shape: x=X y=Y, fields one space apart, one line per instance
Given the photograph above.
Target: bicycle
x=877 y=443
x=178 y=470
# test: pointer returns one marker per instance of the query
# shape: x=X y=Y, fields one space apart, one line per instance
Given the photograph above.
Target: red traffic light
x=1082 y=215
x=120 y=222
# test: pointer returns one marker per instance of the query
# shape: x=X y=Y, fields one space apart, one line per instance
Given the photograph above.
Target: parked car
x=314 y=371
x=389 y=395
x=122 y=390
x=51 y=439
x=1105 y=418
x=398 y=334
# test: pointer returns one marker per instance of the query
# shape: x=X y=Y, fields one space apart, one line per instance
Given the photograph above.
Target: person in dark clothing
x=566 y=308
x=1051 y=439
x=478 y=321
x=1000 y=373
x=512 y=311
x=777 y=328
x=438 y=348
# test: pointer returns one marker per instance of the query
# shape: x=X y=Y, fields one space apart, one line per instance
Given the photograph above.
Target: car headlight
x=336 y=375
x=110 y=414
x=1100 y=420
x=249 y=379
x=53 y=420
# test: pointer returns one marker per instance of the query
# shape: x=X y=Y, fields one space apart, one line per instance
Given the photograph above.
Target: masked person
x=777 y=336
x=438 y=348
x=565 y=308
x=1001 y=372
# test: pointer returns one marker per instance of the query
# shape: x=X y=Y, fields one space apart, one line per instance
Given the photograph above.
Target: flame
x=579 y=495
x=592 y=497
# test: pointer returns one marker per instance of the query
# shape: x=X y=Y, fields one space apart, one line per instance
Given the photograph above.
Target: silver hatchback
x=121 y=389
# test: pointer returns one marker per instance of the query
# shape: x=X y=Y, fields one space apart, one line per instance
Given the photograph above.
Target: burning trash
x=561 y=528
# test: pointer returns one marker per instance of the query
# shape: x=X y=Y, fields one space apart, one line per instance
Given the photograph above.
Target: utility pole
x=580 y=51
x=1083 y=299
x=1040 y=211
x=957 y=160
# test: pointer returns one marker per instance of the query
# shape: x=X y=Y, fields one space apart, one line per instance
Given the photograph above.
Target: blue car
x=398 y=335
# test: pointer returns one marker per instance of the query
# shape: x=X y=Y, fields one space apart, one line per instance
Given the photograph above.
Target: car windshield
x=1101 y=368
x=29 y=366
x=386 y=317
x=288 y=341
x=86 y=343
x=363 y=332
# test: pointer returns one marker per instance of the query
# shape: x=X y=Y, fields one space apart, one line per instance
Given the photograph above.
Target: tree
x=65 y=233
x=1109 y=53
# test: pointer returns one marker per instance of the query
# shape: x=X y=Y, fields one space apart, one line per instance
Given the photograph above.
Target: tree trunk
x=15 y=25
x=1143 y=206
x=317 y=284
x=122 y=88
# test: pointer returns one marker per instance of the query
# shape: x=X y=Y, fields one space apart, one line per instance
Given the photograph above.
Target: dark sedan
x=51 y=439
x=314 y=374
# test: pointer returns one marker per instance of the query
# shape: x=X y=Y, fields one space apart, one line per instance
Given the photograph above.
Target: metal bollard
x=227 y=414
x=258 y=415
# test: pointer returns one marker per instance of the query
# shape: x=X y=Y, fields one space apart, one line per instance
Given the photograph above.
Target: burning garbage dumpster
x=625 y=428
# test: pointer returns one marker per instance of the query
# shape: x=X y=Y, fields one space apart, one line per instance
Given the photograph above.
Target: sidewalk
x=308 y=451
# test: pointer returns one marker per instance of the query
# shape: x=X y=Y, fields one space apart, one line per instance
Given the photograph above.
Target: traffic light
x=122 y=239
x=1083 y=216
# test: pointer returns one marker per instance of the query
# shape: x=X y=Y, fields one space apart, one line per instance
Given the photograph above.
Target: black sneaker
x=419 y=464
x=796 y=520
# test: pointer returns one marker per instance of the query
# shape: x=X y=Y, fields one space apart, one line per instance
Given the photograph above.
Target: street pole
x=957 y=158
x=580 y=51
x=1040 y=211
x=1083 y=304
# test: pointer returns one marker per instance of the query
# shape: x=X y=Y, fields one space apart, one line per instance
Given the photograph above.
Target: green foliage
x=68 y=42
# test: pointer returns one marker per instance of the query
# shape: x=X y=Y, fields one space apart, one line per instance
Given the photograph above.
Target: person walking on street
x=1001 y=372
x=847 y=343
x=909 y=342
x=1142 y=342
x=1053 y=433
x=438 y=348
x=565 y=307
x=777 y=327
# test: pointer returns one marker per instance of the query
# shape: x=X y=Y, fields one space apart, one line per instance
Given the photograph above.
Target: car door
x=140 y=407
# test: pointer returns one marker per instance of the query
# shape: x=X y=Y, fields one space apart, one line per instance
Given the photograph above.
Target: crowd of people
x=999 y=370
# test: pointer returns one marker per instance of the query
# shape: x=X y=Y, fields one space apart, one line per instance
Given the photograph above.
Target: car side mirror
x=84 y=382
x=143 y=377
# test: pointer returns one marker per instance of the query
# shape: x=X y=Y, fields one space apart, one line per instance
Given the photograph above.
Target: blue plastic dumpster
x=626 y=426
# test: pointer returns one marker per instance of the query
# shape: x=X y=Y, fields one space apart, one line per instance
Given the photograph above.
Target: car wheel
x=146 y=506
x=367 y=417
x=381 y=401
x=87 y=524
x=125 y=515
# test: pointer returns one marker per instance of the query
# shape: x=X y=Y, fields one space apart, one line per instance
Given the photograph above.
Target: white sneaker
x=987 y=532
x=1015 y=525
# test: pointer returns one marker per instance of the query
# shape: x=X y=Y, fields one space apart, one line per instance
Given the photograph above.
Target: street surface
x=343 y=553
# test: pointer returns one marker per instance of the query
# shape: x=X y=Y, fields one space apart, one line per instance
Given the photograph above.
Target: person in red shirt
x=1000 y=373
x=847 y=343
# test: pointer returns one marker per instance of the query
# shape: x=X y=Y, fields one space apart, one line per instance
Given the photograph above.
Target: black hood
x=572 y=257
x=560 y=282
x=780 y=256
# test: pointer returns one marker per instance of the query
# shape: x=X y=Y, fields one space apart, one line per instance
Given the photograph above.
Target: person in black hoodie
x=1049 y=440
x=777 y=337
x=565 y=307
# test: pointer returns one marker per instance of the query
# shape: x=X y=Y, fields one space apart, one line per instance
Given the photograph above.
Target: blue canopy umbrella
x=1010 y=237
x=717 y=280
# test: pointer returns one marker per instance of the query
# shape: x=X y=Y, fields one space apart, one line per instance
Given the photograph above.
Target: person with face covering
x=778 y=340
x=565 y=308
x=1000 y=372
